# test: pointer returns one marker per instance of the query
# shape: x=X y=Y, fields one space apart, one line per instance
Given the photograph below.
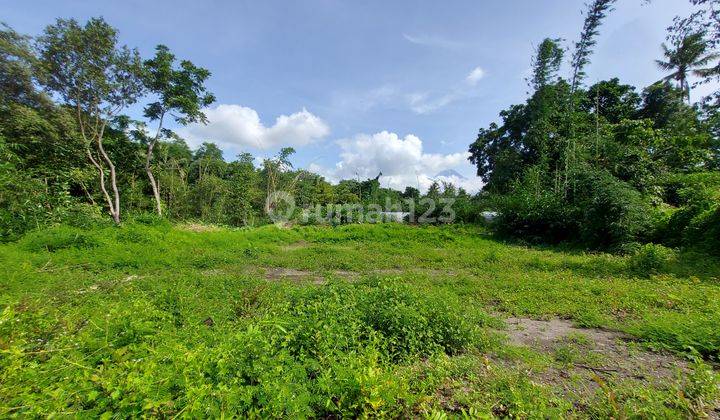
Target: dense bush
x=694 y=223
x=703 y=232
x=600 y=212
x=651 y=258
x=60 y=237
x=610 y=211
x=535 y=216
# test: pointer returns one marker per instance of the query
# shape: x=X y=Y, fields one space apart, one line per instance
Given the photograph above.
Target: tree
x=705 y=18
x=530 y=133
x=181 y=94
x=17 y=75
x=688 y=56
x=98 y=79
x=273 y=170
x=411 y=193
x=597 y=11
x=244 y=193
x=546 y=63
x=611 y=101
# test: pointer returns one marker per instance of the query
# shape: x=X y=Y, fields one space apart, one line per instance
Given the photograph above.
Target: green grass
x=151 y=319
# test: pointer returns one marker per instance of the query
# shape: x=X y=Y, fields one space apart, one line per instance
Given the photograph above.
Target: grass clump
x=651 y=258
x=60 y=237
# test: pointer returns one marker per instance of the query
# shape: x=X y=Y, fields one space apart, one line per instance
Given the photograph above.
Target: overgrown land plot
x=360 y=320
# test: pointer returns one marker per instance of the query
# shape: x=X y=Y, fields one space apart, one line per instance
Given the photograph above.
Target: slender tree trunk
x=153 y=182
x=148 y=169
x=87 y=193
x=115 y=206
x=101 y=173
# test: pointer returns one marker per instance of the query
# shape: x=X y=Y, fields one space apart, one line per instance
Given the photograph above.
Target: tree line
x=609 y=165
x=606 y=165
x=70 y=153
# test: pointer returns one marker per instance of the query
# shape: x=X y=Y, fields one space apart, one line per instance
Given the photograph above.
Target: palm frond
x=704 y=60
x=707 y=72
x=664 y=65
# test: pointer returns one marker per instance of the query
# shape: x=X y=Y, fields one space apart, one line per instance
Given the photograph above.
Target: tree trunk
x=148 y=169
x=151 y=177
x=101 y=173
x=115 y=206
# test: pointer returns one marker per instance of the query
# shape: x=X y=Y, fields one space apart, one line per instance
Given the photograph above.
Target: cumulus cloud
x=238 y=126
x=401 y=160
x=475 y=75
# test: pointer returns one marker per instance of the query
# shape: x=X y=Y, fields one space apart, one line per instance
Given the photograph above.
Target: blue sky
x=359 y=87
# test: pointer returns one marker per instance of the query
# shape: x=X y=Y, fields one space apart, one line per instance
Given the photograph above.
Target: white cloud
x=238 y=126
x=475 y=75
x=400 y=159
x=423 y=103
x=419 y=102
x=433 y=41
x=350 y=101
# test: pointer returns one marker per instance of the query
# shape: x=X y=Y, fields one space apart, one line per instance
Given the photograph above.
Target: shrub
x=150 y=219
x=694 y=202
x=59 y=237
x=703 y=231
x=401 y=323
x=651 y=258
x=600 y=211
x=610 y=211
x=676 y=186
x=540 y=216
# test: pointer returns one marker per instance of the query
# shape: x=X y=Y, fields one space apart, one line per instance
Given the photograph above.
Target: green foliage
x=596 y=13
x=695 y=223
x=181 y=91
x=703 y=232
x=534 y=214
x=546 y=63
x=591 y=165
x=602 y=212
x=59 y=237
x=651 y=258
x=146 y=319
x=610 y=211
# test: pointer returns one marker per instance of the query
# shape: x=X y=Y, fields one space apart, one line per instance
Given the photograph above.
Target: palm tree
x=689 y=56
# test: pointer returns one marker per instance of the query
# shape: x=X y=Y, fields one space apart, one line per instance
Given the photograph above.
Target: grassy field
x=360 y=320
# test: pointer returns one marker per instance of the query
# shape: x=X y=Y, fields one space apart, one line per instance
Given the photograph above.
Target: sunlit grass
x=384 y=319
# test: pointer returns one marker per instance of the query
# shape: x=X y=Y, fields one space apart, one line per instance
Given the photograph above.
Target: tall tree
x=688 y=56
x=273 y=170
x=546 y=63
x=17 y=75
x=98 y=79
x=597 y=11
x=181 y=94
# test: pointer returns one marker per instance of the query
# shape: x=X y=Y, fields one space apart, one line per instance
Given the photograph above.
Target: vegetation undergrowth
x=153 y=319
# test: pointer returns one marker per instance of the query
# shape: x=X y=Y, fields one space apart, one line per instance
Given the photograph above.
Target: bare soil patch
x=276 y=273
x=321 y=277
x=588 y=356
x=94 y=287
x=296 y=245
x=198 y=227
